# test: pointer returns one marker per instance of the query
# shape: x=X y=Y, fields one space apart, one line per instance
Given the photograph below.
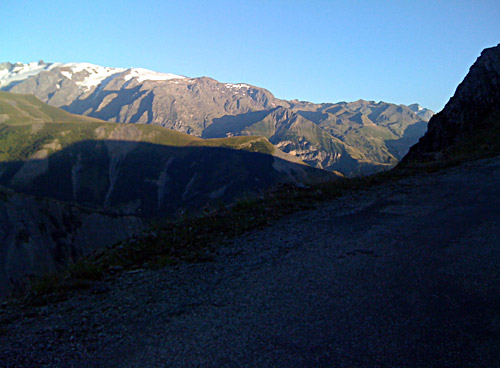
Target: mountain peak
x=415 y=107
x=420 y=111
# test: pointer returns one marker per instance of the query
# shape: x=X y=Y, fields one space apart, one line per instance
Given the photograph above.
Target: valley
x=133 y=168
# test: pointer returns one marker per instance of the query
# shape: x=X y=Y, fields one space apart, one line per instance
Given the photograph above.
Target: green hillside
x=19 y=109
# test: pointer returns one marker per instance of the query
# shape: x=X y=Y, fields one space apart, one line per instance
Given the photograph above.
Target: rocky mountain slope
x=133 y=169
x=469 y=124
x=353 y=138
x=40 y=235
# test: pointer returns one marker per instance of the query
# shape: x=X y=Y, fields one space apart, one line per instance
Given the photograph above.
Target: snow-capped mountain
x=86 y=75
x=134 y=95
x=11 y=73
x=352 y=138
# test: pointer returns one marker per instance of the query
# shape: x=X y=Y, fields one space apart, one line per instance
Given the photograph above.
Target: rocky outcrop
x=39 y=235
x=476 y=99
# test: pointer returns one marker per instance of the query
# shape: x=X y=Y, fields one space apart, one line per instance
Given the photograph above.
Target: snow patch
x=22 y=71
x=67 y=74
x=145 y=74
x=96 y=73
x=237 y=86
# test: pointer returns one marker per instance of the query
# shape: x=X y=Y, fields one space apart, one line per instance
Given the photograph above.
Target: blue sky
x=321 y=51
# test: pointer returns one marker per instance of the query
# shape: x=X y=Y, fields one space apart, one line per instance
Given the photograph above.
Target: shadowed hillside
x=151 y=179
x=41 y=235
x=117 y=169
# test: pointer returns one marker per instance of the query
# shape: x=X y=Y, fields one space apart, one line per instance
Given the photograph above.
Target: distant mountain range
x=353 y=138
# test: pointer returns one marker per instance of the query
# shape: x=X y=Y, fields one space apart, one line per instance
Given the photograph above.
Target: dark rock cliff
x=468 y=112
x=39 y=235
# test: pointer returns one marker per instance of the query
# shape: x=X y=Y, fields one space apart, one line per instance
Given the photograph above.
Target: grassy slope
x=28 y=125
x=27 y=109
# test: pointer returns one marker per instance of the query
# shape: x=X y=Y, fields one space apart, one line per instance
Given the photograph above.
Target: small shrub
x=86 y=271
x=46 y=284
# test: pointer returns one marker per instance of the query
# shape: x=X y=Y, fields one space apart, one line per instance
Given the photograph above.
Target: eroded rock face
x=183 y=104
x=475 y=99
x=42 y=235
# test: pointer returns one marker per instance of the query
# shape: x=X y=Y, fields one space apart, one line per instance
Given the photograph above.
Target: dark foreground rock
x=400 y=275
x=40 y=235
x=473 y=109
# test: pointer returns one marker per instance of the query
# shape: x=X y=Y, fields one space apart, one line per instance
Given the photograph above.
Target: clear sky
x=400 y=51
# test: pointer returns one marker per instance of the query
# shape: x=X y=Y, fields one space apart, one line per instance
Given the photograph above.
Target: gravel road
x=405 y=274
